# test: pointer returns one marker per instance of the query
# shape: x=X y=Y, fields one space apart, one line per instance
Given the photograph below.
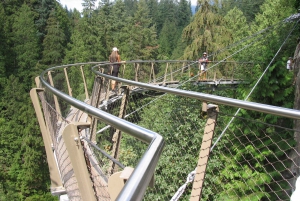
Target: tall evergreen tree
x=184 y=13
x=26 y=45
x=206 y=32
x=141 y=41
x=118 y=22
x=54 y=42
x=3 y=43
x=43 y=9
x=248 y=7
x=23 y=162
x=274 y=89
x=167 y=40
x=88 y=7
x=107 y=24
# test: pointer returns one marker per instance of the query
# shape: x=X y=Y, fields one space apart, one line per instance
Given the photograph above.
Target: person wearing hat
x=113 y=58
x=203 y=61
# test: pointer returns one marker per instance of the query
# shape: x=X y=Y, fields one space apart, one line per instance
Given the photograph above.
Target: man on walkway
x=203 y=65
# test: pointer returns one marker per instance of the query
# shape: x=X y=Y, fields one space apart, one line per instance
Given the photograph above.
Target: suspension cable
x=103 y=152
x=258 y=81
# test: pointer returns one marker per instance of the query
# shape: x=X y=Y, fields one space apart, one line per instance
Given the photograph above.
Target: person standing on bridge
x=203 y=65
x=113 y=58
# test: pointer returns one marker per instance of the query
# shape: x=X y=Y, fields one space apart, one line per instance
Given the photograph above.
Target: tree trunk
x=295 y=157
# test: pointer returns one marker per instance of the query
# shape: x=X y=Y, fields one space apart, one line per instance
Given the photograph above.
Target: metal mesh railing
x=254 y=160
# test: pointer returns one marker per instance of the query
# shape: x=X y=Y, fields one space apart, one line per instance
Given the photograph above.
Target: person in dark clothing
x=113 y=58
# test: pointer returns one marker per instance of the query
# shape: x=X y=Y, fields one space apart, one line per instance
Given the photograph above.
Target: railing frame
x=269 y=109
x=135 y=187
x=138 y=182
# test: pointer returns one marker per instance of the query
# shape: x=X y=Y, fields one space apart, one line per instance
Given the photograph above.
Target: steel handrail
x=137 y=184
x=280 y=111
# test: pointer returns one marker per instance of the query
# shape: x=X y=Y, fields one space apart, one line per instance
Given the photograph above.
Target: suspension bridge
x=156 y=139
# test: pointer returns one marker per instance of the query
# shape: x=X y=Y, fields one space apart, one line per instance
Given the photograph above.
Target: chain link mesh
x=253 y=161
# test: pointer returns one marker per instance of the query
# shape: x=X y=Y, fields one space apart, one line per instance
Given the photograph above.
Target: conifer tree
x=184 y=14
x=274 y=89
x=205 y=32
x=248 y=7
x=76 y=52
x=153 y=10
x=54 y=42
x=2 y=42
x=88 y=7
x=141 y=41
x=26 y=45
x=167 y=40
x=117 y=21
x=43 y=9
x=23 y=160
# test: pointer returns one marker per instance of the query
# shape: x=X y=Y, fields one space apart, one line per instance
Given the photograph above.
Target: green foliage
x=249 y=8
x=37 y=34
x=25 y=39
x=178 y=129
x=54 y=42
x=203 y=33
x=22 y=155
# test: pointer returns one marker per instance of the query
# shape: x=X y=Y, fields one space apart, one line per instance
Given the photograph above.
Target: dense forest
x=37 y=34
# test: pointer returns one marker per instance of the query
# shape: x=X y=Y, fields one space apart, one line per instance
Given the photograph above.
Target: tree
x=249 y=8
x=43 y=9
x=3 y=42
x=88 y=7
x=140 y=37
x=206 y=32
x=275 y=81
x=23 y=162
x=184 y=14
x=167 y=40
x=25 y=39
x=54 y=42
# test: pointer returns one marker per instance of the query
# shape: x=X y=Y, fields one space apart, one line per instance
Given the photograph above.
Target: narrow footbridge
x=160 y=135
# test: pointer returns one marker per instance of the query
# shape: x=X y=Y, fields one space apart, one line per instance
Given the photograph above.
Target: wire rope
x=253 y=88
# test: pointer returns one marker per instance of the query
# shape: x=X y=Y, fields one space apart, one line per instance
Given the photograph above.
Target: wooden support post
x=123 y=72
x=137 y=67
x=76 y=154
x=233 y=68
x=171 y=73
x=152 y=72
x=199 y=72
x=68 y=83
x=56 y=183
x=118 y=134
x=96 y=96
x=212 y=111
x=84 y=82
x=182 y=69
x=165 y=77
x=57 y=108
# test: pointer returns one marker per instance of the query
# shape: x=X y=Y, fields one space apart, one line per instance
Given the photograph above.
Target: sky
x=77 y=3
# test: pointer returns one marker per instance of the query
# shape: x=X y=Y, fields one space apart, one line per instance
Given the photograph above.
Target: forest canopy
x=38 y=34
